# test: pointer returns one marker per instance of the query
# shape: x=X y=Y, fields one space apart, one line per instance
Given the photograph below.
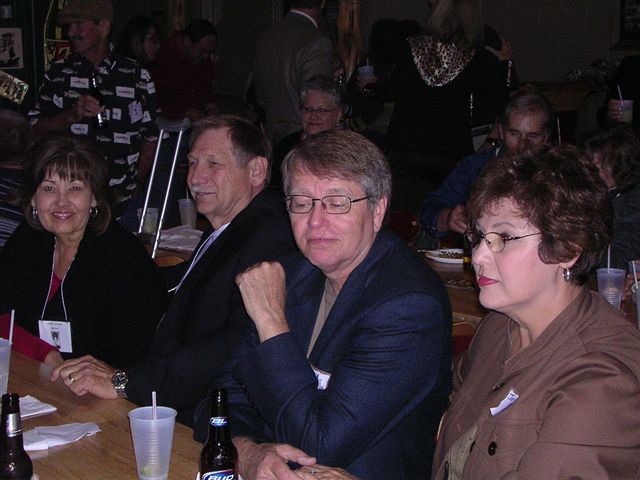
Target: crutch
x=169 y=126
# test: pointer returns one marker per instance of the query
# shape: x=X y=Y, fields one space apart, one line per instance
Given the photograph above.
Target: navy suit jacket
x=386 y=344
x=206 y=317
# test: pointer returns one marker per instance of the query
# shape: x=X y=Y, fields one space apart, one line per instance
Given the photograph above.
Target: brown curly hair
x=559 y=191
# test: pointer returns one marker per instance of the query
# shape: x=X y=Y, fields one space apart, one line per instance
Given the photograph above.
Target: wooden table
x=108 y=454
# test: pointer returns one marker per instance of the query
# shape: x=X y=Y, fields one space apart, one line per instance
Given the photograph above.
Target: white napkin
x=41 y=438
x=180 y=238
x=31 y=407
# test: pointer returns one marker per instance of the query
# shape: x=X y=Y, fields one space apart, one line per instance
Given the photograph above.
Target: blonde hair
x=457 y=21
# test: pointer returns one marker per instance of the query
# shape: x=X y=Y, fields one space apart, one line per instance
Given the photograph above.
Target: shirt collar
x=311 y=19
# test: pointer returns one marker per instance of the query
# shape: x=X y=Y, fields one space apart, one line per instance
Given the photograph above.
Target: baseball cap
x=80 y=10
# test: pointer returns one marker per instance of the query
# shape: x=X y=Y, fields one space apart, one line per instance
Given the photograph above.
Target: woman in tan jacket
x=550 y=387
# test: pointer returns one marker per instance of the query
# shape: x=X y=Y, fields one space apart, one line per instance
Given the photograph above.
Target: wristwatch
x=493 y=142
x=119 y=381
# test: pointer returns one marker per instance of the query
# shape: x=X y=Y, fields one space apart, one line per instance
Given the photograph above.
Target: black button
x=493 y=446
x=498 y=387
x=445 y=476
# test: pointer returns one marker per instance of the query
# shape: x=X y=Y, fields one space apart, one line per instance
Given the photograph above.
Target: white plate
x=444 y=255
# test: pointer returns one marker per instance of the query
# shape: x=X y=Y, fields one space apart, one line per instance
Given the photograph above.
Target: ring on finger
x=71 y=378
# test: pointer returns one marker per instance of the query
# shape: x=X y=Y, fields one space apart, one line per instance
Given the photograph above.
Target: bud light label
x=219 y=475
x=218 y=421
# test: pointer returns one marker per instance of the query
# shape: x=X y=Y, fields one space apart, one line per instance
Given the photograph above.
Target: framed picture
x=11 y=56
x=630 y=21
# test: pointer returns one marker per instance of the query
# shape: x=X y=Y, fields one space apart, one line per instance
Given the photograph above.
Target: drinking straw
x=558 y=127
x=609 y=257
x=13 y=317
x=619 y=92
x=635 y=274
x=154 y=406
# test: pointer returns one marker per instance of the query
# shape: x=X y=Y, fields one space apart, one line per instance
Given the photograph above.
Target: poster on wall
x=11 y=48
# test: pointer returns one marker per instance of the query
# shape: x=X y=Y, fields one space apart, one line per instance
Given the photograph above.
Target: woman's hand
x=505 y=51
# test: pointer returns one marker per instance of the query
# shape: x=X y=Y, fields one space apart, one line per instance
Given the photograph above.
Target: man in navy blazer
x=228 y=171
x=349 y=364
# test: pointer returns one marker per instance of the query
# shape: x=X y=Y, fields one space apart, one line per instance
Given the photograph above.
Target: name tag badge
x=323 y=378
x=506 y=402
x=77 y=82
x=57 y=333
x=79 y=128
x=135 y=111
x=121 y=138
x=125 y=92
x=58 y=101
x=116 y=113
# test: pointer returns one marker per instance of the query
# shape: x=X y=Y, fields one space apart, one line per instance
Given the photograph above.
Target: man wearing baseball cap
x=67 y=102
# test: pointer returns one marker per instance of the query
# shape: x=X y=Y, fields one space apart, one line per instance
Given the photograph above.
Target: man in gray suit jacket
x=288 y=55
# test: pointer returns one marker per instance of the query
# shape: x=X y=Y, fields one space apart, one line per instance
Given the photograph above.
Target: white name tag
x=121 y=138
x=116 y=113
x=80 y=128
x=56 y=333
x=323 y=378
x=57 y=101
x=76 y=82
x=131 y=159
x=506 y=402
x=126 y=92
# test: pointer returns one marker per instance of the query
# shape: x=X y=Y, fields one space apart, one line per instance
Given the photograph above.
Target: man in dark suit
x=288 y=55
x=228 y=170
x=350 y=361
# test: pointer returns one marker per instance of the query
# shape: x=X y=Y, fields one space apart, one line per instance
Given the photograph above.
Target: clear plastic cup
x=152 y=440
x=611 y=284
x=188 y=212
x=5 y=358
x=366 y=71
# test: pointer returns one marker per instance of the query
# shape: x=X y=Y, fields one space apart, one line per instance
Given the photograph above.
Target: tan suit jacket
x=578 y=409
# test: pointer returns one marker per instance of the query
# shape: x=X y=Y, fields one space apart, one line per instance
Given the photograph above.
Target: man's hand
x=505 y=51
x=615 y=110
x=85 y=106
x=323 y=472
x=454 y=219
x=86 y=375
x=267 y=461
x=263 y=293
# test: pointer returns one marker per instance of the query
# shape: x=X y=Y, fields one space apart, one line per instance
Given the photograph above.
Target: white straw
x=619 y=92
x=154 y=406
x=635 y=274
x=13 y=318
x=609 y=257
x=559 y=134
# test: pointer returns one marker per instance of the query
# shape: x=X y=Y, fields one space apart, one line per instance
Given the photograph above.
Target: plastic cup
x=152 y=441
x=366 y=71
x=611 y=284
x=5 y=357
x=626 y=109
x=188 y=212
x=150 y=220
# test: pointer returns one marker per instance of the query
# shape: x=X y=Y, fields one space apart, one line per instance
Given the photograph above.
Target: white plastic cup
x=366 y=71
x=611 y=284
x=150 y=220
x=188 y=212
x=5 y=358
x=152 y=440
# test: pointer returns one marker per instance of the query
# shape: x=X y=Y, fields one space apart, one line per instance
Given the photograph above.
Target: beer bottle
x=219 y=455
x=15 y=464
x=100 y=121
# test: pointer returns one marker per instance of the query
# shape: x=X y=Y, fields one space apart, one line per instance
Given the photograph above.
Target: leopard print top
x=438 y=63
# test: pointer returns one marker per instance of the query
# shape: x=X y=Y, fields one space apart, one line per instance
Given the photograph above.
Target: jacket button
x=493 y=446
x=445 y=475
x=498 y=387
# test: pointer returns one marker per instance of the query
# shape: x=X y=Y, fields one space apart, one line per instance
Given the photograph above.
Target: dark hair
x=132 y=37
x=341 y=154
x=70 y=157
x=619 y=148
x=305 y=3
x=524 y=102
x=15 y=137
x=200 y=28
x=248 y=140
x=560 y=192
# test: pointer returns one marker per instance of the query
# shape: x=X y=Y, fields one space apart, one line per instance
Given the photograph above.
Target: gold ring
x=71 y=378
